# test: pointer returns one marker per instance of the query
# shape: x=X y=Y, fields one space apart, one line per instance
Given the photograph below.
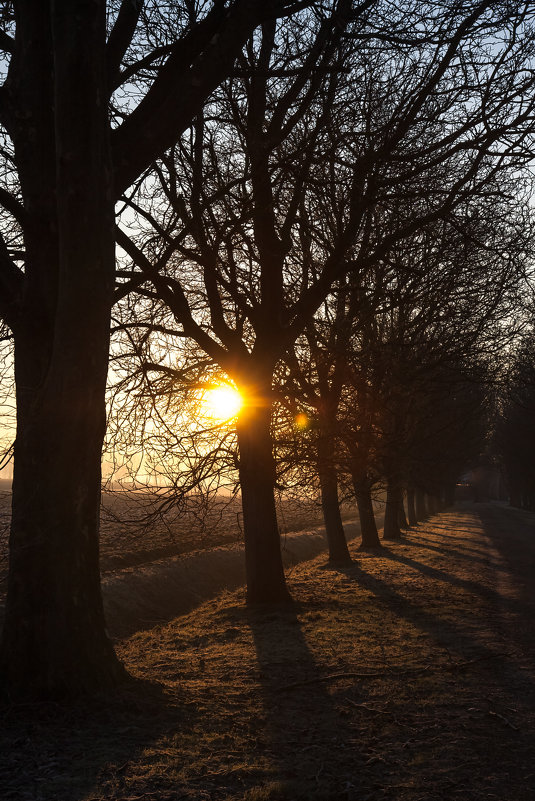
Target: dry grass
x=398 y=678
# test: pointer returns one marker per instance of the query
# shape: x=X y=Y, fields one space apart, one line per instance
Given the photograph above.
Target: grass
x=397 y=678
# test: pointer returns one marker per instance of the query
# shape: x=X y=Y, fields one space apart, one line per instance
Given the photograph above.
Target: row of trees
x=514 y=438
x=384 y=386
x=298 y=185
x=286 y=202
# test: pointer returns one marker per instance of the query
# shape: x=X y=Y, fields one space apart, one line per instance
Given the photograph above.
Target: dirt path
x=409 y=676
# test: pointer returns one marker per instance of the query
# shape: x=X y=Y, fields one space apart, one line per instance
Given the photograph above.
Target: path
x=511 y=535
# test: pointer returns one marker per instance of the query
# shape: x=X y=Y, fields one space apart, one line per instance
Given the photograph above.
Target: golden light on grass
x=222 y=402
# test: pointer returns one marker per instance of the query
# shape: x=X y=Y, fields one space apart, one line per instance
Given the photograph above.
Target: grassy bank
x=397 y=678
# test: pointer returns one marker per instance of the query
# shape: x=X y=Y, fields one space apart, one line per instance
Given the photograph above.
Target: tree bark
x=368 y=526
x=411 y=508
x=263 y=561
x=336 y=538
x=54 y=639
x=402 y=518
x=392 y=530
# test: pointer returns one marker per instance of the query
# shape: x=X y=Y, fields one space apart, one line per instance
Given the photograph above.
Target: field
x=408 y=676
x=135 y=532
x=158 y=562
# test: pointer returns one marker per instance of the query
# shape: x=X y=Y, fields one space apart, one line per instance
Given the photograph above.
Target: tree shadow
x=63 y=751
x=304 y=733
x=512 y=534
x=468 y=555
x=453 y=535
x=513 y=537
x=445 y=633
x=490 y=595
x=463 y=640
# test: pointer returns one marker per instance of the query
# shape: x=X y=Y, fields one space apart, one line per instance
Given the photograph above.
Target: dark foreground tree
x=64 y=167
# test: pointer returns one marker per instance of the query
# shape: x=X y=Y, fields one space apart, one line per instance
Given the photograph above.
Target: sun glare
x=222 y=402
x=301 y=421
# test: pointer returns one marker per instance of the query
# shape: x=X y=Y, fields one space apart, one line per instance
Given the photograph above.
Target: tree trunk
x=401 y=513
x=263 y=561
x=421 y=509
x=411 y=508
x=392 y=530
x=368 y=526
x=54 y=639
x=334 y=529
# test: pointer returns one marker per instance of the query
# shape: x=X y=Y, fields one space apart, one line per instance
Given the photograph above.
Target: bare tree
x=240 y=225
x=445 y=309
x=65 y=164
x=236 y=229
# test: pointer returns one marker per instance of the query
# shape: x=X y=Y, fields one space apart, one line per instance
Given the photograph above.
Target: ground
x=407 y=676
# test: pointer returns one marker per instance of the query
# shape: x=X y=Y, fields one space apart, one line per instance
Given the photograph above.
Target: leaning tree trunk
x=334 y=529
x=263 y=561
x=54 y=639
x=368 y=526
x=394 y=496
x=411 y=508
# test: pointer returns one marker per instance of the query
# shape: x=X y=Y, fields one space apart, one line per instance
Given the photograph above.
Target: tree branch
x=193 y=70
x=11 y=282
x=121 y=36
x=7 y=44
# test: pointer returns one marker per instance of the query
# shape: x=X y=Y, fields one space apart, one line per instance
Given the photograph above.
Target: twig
x=383 y=674
x=367 y=708
x=504 y=719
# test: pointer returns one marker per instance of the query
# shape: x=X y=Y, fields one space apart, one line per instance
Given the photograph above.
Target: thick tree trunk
x=368 y=526
x=411 y=508
x=54 y=639
x=336 y=538
x=392 y=530
x=263 y=561
x=421 y=509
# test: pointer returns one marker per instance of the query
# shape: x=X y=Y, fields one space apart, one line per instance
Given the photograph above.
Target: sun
x=222 y=402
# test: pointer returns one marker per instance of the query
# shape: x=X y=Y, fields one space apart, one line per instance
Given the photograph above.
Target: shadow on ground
x=308 y=748
x=55 y=752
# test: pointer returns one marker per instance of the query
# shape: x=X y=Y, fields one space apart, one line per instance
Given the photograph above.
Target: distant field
x=135 y=532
